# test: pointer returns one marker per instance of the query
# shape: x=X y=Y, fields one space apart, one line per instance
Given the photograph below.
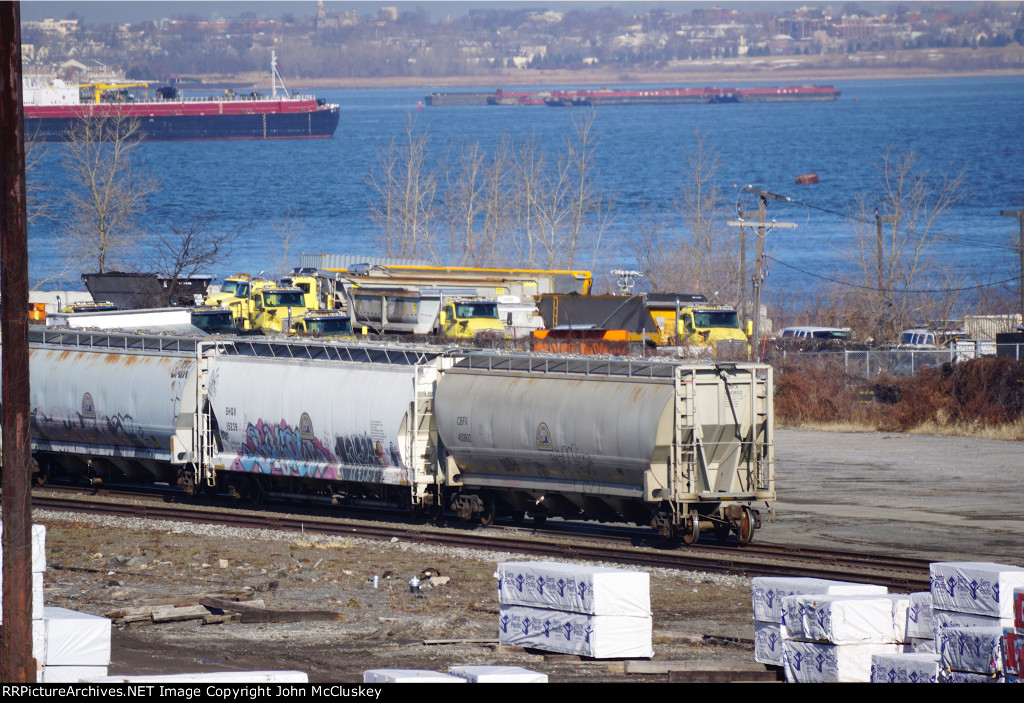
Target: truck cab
x=233 y=288
x=306 y=279
x=707 y=326
x=323 y=323
x=271 y=308
x=469 y=319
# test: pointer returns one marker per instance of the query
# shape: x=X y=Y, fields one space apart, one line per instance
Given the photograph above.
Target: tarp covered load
x=606 y=312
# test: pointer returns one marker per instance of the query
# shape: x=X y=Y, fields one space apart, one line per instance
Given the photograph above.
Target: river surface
x=316 y=190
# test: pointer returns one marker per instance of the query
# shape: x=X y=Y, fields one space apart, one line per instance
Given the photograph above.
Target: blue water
x=317 y=188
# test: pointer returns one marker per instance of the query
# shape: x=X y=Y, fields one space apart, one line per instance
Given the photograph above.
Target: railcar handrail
x=91 y=339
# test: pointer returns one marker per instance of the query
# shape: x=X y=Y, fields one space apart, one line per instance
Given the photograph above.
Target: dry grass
x=979 y=398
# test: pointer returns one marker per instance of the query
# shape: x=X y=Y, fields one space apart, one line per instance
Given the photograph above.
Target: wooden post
x=16 y=662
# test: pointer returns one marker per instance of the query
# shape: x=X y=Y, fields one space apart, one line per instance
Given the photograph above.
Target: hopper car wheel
x=487 y=516
x=689 y=531
x=745 y=530
x=539 y=519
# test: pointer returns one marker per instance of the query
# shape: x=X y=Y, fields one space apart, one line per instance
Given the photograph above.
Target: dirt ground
x=99 y=568
x=940 y=497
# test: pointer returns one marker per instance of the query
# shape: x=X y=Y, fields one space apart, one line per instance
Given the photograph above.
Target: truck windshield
x=341 y=325
x=218 y=321
x=487 y=311
x=281 y=299
x=229 y=287
x=716 y=318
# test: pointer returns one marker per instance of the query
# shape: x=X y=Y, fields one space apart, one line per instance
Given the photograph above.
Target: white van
x=842 y=334
x=917 y=339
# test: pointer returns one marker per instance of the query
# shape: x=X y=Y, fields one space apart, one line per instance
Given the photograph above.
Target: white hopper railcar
x=683 y=447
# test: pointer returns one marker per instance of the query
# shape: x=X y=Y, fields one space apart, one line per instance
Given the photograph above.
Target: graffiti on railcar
x=571 y=457
x=284 y=450
x=74 y=426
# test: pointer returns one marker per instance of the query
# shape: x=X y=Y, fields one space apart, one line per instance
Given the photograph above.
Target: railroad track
x=898 y=574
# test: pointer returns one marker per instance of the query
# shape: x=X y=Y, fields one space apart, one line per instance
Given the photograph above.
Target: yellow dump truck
x=453 y=312
x=685 y=319
x=269 y=308
x=237 y=287
x=470 y=319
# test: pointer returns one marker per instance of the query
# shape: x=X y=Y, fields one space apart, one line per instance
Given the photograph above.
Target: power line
x=941 y=236
x=871 y=288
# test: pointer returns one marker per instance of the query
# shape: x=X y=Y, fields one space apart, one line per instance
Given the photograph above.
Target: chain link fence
x=891 y=362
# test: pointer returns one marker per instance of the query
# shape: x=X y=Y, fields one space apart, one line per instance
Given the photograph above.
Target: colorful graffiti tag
x=280 y=449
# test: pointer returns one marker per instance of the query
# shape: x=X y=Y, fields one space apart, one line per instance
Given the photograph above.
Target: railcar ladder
x=205 y=442
x=689 y=461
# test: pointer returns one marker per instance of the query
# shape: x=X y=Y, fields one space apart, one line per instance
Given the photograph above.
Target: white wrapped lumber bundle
x=841 y=619
x=983 y=588
x=767 y=592
x=814 y=662
x=593 y=590
x=597 y=636
x=905 y=668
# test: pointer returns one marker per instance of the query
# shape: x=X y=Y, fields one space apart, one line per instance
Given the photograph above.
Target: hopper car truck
x=482 y=434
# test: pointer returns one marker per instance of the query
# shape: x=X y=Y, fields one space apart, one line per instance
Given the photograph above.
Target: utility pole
x=1019 y=214
x=762 y=229
x=740 y=216
x=16 y=662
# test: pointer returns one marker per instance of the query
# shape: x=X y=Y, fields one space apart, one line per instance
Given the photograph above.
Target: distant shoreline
x=780 y=70
x=541 y=79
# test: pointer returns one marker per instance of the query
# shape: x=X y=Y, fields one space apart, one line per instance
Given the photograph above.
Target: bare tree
x=190 y=249
x=404 y=208
x=463 y=199
x=509 y=205
x=572 y=215
x=288 y=231
x=528 y=165
x=896 y=231
x=649 y=245
x=102 y=231
x=706 y=248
